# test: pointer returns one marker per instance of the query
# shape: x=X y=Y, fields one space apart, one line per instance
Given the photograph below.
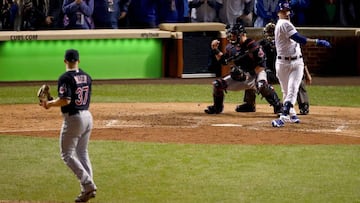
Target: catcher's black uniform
x=249 y=57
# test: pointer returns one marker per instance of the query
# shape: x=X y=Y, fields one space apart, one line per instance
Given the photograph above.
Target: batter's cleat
x=213 y=110
x=289 y=119
x=245 y=107
x=304 y=108
x=85 y=196
x=294 y=119
x=277 y=123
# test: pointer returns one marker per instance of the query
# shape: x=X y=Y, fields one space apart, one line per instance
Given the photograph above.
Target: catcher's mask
x=234 y=32
x=269 y=30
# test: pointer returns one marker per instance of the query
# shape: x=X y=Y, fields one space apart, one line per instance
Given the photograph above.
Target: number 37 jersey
x=75 y=85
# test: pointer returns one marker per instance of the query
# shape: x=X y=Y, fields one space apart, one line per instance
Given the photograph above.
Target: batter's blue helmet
x=284 y=6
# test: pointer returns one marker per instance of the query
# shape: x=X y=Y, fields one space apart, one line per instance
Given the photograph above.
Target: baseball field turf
x=145 y=171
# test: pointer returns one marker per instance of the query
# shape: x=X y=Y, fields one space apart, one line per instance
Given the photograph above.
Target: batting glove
x=323 y=43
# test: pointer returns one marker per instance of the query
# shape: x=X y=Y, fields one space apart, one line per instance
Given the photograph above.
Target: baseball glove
x=44 y=93
x=237 y=73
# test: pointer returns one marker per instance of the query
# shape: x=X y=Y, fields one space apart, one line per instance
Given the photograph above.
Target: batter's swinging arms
x=289 y=62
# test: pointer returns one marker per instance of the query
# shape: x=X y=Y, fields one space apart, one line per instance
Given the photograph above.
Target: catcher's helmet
x=284 y=6
x=234 y=32
x=238 y=28
x=269 y=30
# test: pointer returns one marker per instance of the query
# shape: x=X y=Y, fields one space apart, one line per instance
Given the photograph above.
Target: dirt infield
x=186 y=123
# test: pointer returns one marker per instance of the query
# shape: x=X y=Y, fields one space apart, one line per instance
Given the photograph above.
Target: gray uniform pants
x=74 y=139
x=250 y=83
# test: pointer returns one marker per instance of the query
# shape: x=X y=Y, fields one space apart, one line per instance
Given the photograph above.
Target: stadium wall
x=153 y=53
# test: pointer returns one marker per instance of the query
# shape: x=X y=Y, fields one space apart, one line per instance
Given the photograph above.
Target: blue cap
x=284 y=6
x=71 y=55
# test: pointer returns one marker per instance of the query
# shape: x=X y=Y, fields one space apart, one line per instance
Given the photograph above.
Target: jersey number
x=83 y=95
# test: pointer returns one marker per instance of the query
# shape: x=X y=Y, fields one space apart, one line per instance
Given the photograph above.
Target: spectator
x=265 y=10
x=78 y=14
x=101 y=14
x=318 y=13
x=8 y=15
x=300 y=8
x=232 y=10
x=33 y=14
x=205 y=10
x=185 y=11
x=118 y=10
x=142 y=14
x=349 y=15
x=171 y=11
x=330 y=12
x=55 y=16
x=122 y=15
x=323 y=13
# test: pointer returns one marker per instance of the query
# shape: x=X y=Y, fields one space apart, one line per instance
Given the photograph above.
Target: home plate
x=226 y=125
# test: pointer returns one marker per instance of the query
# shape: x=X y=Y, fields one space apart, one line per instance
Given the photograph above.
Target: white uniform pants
x=290 y=74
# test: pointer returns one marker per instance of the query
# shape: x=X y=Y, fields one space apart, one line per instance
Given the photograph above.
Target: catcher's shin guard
x=219 y=87
x=249 y=102
x=303 y=99
x=267 y=91
x=304 y=108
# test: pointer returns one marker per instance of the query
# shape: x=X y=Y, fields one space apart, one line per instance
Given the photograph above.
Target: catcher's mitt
x=44 y=93
x=237 y=73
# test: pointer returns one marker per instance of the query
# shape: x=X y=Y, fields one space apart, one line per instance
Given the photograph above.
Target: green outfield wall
x=102 y=58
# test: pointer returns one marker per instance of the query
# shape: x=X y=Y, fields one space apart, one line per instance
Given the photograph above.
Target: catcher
x=247 y=73
x=268 y=45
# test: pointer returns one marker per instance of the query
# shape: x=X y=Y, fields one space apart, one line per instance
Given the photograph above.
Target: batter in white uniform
x=289 y=62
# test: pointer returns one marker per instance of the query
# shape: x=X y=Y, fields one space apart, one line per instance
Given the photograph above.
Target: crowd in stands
x=119 y=14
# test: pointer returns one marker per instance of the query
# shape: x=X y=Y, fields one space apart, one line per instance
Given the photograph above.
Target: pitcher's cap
x=71 y=55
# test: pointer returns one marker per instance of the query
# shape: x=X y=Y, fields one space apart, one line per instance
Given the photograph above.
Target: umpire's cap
x=72 y=55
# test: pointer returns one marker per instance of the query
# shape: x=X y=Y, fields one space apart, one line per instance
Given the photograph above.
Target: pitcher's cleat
x=85 y=196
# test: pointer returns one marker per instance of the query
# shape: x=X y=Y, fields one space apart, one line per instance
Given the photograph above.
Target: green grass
x=31 y=168
x=152 y=172
x=319 y=95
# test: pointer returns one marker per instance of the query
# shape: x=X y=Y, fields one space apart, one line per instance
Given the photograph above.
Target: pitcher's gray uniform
x=74 y=94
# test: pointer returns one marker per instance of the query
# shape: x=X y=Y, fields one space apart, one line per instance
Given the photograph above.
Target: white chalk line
x=115 y=124
x=226 y=125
